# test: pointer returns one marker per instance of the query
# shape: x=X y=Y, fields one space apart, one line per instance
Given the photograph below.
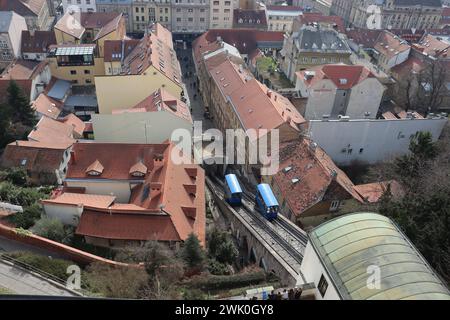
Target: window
x=202 y=19
x=322 y=286
x=137 y=9
x=167 y=19
x=226 y=10
x=228 y=3
x=216 y=3
x=178 y=19
x=87 y=71
x=88 y=81
x=178 y=10
x=190 y=10
x=190 y=19
x=73 y=72
x=88 y=1
x=166 y=10
x=361 y=150
x=142 y=9
x=334 y=205
x=78 y=1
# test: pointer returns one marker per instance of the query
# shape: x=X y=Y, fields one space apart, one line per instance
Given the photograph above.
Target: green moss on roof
x=349 y=244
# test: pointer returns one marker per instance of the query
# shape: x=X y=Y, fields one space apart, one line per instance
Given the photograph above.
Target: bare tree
x=431 y=87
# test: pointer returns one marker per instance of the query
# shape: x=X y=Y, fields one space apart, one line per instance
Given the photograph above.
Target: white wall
x=84 y=5
x=137 y=127
x=16 y=27
x=321 y=98
x=67 y=214
x=365 y=97
x=44 y=77
x=398 y=59
x=120 y=189
x=380 y=139
x=312 y=269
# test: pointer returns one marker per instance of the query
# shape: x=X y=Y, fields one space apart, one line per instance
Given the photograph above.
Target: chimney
x=32 y=32
x=269 y=93
x=72 y=157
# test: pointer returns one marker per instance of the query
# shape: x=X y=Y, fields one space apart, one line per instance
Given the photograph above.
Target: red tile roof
x=51 y=132
x=245 y=40
x=160 y=196
x=154 y=49
x=75 y=122
x=117 y=159
x=433 y=46
x=115 y=48
x=249 y=18
x=372 y=192
x=127 y=226
x=38 y=42
x=404 y=69
x=390 y=45
x=256 y=106
x=332 y=21
x=317 y=174
x=343 y=76
x=160 y=100
x=33 y=158
x=23 y=7
x=106 y=22
x=87 y=200
x=365 y=37
x=23 y=70
x=47 y=106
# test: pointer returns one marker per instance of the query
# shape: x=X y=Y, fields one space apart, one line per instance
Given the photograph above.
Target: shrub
x=50 y=228
x=55 y=267
x=228 y=282
x=217 y=268
x=17 y=176
x=27 y=218
x=221 y=247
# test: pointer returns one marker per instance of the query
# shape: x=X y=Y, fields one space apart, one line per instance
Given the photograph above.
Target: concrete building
x=35 y=12
x=391 y=51
x=345 y=254
x=340 y=90
x=395 y=14
x=311 y=46
x=164 y=13
x=221 y=13
x=137 y=185
x=36 y=44
x=143 y=15
x=153 y=120
x=82 y=5
x=190 y=16
x=371 y=141
x=11 y=27
x=281 y=18
x=152 y=64
x=118 y=6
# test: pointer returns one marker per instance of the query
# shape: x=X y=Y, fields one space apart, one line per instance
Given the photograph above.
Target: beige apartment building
x=143 y=14
x=281 y=18
x=396 y=14
x=221 y=13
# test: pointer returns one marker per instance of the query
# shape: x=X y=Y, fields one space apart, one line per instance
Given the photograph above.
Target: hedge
x=228 y=282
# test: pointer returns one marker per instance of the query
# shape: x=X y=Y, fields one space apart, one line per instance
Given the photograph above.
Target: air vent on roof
x=343 y=81
x=295 y=181
x=287 y=169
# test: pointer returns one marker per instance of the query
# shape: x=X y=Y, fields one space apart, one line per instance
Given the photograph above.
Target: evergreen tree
x=192 y=253
x=19 y=105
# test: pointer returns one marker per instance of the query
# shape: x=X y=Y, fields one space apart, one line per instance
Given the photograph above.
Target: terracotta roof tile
x=47 y=106
x=38 y=42
x=76 y=123
x=88 y=200
x=23 y=7
x=52 y=132
x=33 y=157
x=249 y=18
x=315 y=172
x=115 y=48
x=372 y=192
x=160 y=100
x=390 y=45
x=343 y=76
x=126 y=226
x=95 y=167
x=308 y=18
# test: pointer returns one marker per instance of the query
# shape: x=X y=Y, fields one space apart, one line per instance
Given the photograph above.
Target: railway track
x=280 y=238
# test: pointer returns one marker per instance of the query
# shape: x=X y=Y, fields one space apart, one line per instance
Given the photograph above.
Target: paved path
x=22 y=282
x=7 y=245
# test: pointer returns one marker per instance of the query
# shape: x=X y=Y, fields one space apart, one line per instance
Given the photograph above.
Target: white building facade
x=190 y=16
x=370 y=141
x=221 y=13
x=82 y=5
x=11 y=28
